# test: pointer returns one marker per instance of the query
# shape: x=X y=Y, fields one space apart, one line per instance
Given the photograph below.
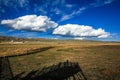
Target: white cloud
x=61 y=8
x=68 y=16
x=30 y=22
x=108 y=1
x=78 y=38
x=97 y=3
x=69 y=5
x=80 y=31
x=11 y=30
x=14 y=4
x=23 y=3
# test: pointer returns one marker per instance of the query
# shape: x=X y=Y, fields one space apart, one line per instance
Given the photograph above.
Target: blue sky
x=61 y=19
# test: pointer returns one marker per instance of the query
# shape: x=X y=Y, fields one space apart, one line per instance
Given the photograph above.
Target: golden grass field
x=98 y=60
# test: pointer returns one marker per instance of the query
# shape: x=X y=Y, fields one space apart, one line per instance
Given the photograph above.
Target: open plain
x=97 y=60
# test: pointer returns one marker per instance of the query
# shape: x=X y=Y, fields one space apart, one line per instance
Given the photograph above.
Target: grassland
x=98 y=60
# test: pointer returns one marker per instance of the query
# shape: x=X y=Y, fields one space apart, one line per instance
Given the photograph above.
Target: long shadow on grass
x=5 y=69
x=61 y=71
x=30 y=52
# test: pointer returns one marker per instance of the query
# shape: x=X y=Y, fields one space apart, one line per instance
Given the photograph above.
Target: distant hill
x=8 y=38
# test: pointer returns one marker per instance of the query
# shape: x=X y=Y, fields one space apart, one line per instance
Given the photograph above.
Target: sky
x=61 y=19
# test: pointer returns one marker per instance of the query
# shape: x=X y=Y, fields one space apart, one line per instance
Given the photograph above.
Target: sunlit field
x=98 y=60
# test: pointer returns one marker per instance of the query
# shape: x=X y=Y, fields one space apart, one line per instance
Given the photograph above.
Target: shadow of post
x=5 y=69
x=61 y=71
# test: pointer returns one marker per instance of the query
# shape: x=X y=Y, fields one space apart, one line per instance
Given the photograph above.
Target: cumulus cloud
x=30 y=22
x=80 y=31
x=62 y=8
x=78 y=38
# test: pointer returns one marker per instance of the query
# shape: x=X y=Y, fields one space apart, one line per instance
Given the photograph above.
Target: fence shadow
x=28 y=52
x=61 y=71
x=5 y=69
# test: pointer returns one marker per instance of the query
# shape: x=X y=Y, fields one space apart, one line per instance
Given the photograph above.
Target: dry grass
x=98 y=60
x=10 y=49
